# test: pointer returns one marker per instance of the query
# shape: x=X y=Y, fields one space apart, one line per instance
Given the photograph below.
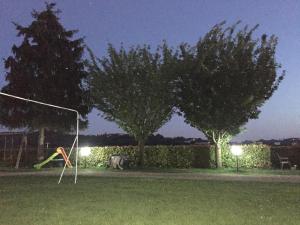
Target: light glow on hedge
x=85 y=151
x=236 y=150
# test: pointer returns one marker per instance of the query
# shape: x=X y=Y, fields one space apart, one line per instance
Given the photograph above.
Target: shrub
x=155 y=156
x=181 y=156
x=254 y=156
x=100 y=155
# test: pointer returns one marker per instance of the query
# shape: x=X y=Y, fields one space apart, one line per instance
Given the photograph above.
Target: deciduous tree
x=135 y=89
x=225 y=79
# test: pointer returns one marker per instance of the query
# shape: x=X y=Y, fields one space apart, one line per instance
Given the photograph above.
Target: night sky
x=142 y=21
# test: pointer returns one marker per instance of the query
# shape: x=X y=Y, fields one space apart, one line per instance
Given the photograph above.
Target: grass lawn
x=137 y=201
x=245 y=171
x=242 y=171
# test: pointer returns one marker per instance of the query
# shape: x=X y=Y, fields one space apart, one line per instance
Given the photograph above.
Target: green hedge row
x=197 y=156
x=254 y=156
x=161 y=156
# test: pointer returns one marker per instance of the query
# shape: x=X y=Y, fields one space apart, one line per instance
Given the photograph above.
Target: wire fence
x=8 y=157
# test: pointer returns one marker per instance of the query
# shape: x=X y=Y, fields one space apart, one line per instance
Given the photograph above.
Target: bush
x=181 y=156
x=155 y=156
x=254 y=156
x=100 y=155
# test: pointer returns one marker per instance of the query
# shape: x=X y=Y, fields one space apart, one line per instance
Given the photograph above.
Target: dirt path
x=160 y=175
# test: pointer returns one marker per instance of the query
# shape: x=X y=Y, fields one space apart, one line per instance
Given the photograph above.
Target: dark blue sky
x=143 y=21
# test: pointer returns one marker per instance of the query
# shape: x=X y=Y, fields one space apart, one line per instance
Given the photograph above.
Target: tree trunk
x=141 y=145
x=40 y=150
x=218 y=155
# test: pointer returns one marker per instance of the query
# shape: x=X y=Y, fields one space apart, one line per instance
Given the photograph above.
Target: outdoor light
x=236 y=150
x=85 y=151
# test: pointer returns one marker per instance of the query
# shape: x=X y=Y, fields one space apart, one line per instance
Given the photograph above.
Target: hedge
x=254 y=156
x=161 y=156
x=181 y=156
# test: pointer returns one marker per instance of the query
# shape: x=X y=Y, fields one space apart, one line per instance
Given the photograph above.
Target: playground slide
x=40 y=165
x=59 y=151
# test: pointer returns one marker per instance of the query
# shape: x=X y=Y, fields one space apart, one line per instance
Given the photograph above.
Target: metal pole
x=38 y=102
x=62 y=172
x=4 y=155
x=58 y=107
x=77 y=153
x=237 y=164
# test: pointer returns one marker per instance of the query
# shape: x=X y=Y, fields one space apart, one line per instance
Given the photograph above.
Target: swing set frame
x=76 y=141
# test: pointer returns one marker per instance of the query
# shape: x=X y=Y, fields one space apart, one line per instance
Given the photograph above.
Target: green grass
x=137 y=201
x=232 y=171
x=242 y=171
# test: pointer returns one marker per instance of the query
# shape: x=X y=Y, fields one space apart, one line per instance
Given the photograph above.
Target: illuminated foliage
x=225 y=79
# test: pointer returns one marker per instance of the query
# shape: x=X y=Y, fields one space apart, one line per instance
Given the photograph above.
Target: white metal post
x=77 y=150
x=62 y=172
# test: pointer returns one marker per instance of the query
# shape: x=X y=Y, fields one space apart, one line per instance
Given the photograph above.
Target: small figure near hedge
x=119 y=161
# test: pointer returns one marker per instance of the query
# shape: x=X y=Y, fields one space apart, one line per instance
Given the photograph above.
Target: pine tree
x=47 y=66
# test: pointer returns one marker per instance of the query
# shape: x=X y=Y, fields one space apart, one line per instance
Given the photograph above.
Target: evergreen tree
x=47 y=66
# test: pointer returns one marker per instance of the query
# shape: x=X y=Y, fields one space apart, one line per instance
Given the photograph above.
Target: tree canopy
x=47 y=66
x=225 y=79
x=134 y=88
